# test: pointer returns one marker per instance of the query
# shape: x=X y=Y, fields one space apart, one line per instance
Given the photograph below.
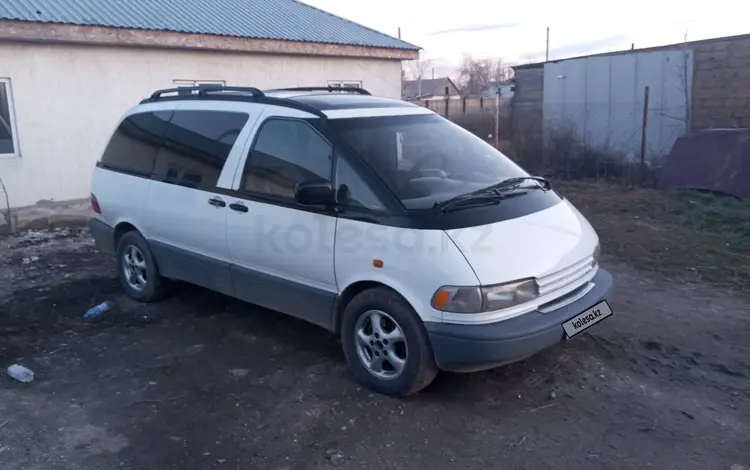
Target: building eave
x=32 y=32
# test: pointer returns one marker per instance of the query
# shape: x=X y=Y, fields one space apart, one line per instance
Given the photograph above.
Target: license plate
x=587 y=318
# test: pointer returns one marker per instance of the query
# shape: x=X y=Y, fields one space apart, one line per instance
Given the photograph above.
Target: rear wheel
x=385 y=343
x=137 y=270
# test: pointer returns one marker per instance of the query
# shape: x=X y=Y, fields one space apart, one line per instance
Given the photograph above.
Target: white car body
x=306 y=263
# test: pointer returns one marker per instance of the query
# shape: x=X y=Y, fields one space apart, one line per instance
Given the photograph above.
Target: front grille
x=566 y=298
x=565 y=277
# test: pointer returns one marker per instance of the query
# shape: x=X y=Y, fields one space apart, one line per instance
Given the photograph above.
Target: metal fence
x=488 y=118
x=625 y=142
x=620 y=141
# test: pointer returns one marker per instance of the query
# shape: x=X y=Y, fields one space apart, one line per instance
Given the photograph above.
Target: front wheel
x=385 y=343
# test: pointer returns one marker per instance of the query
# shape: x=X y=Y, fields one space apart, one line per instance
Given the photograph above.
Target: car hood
x=532 y=246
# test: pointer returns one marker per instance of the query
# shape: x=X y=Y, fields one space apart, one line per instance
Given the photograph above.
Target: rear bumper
x=468 y=348
x=103 y=235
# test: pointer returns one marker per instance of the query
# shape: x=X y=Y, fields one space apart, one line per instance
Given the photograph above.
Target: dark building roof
x=412 y=89
x=501 y=82
x=288 y=20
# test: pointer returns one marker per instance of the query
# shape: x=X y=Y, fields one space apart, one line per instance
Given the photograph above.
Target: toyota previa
x=422 y=246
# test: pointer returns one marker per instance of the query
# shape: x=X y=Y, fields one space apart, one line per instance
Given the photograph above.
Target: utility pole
x=546 y=54
x=420 y=72
x=685 y=89
x=433 y=73
x=399 y=32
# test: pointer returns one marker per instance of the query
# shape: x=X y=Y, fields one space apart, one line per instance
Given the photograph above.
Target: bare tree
x=681 y=70
x=501 y=71
x=475 y=75
x=8 y=215
x=685 y=82
x=417 y=69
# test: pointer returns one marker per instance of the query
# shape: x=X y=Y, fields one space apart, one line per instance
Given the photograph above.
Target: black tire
x=155 y=286
x=419 y=370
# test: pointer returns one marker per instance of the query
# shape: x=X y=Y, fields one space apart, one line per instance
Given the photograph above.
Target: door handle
x=217 y=202
x=238 y=206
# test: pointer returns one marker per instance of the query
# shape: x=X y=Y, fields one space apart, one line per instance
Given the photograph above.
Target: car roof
x=325 y=101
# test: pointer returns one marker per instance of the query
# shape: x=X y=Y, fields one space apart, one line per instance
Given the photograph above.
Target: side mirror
x=315 y=193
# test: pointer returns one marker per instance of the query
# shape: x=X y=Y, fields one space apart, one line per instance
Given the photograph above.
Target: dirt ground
x=201 y=381
x=688 y=235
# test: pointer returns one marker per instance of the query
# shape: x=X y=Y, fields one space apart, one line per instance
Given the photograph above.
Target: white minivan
x=420 y=244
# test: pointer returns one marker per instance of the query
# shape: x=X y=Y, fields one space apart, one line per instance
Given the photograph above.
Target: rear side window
x=196 y=146
x=133 y=147
x=285 y=153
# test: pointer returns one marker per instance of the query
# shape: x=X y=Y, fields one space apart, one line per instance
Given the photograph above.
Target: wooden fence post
x=447 y=100
x=644 y=133
x=497 y=120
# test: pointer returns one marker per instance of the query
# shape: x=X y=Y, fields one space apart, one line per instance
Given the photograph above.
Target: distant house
x=507 y=88
x=428 y=89
x=70 y=68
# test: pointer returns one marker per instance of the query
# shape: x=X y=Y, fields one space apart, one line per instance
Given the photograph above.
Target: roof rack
x=205 y=90
x=229 y=93
x=351 y=89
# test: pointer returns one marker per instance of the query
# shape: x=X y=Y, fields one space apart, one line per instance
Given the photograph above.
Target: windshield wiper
x=513 y=183
x=491 y=194
x=477 y=199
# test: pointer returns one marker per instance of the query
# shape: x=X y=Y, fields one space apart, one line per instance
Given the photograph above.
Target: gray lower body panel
x=183 y=265
x=468 y=348
x=293 y=298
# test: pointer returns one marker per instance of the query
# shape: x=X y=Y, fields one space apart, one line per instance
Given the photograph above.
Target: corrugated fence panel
x=599 y=101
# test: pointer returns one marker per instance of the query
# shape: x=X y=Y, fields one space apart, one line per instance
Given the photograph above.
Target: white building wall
x=68 y=98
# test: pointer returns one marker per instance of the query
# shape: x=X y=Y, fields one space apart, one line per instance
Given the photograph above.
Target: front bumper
x=469 y=348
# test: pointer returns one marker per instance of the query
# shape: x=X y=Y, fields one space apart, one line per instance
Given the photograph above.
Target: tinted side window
x=136 y=141
x=285 y=153
x=351 y=190
x=196 y=145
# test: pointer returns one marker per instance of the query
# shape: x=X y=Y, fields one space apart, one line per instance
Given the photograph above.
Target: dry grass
x=689 y=235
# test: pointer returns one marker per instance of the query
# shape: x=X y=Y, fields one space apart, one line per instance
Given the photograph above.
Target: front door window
x=286 y=152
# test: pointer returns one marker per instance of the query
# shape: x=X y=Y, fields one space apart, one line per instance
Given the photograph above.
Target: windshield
x=425 y=158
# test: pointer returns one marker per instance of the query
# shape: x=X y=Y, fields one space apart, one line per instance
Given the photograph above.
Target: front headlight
x=484 y=299
x=507 y=295
x=458 y=299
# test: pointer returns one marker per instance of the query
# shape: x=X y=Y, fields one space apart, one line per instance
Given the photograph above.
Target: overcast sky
x=515 y=30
